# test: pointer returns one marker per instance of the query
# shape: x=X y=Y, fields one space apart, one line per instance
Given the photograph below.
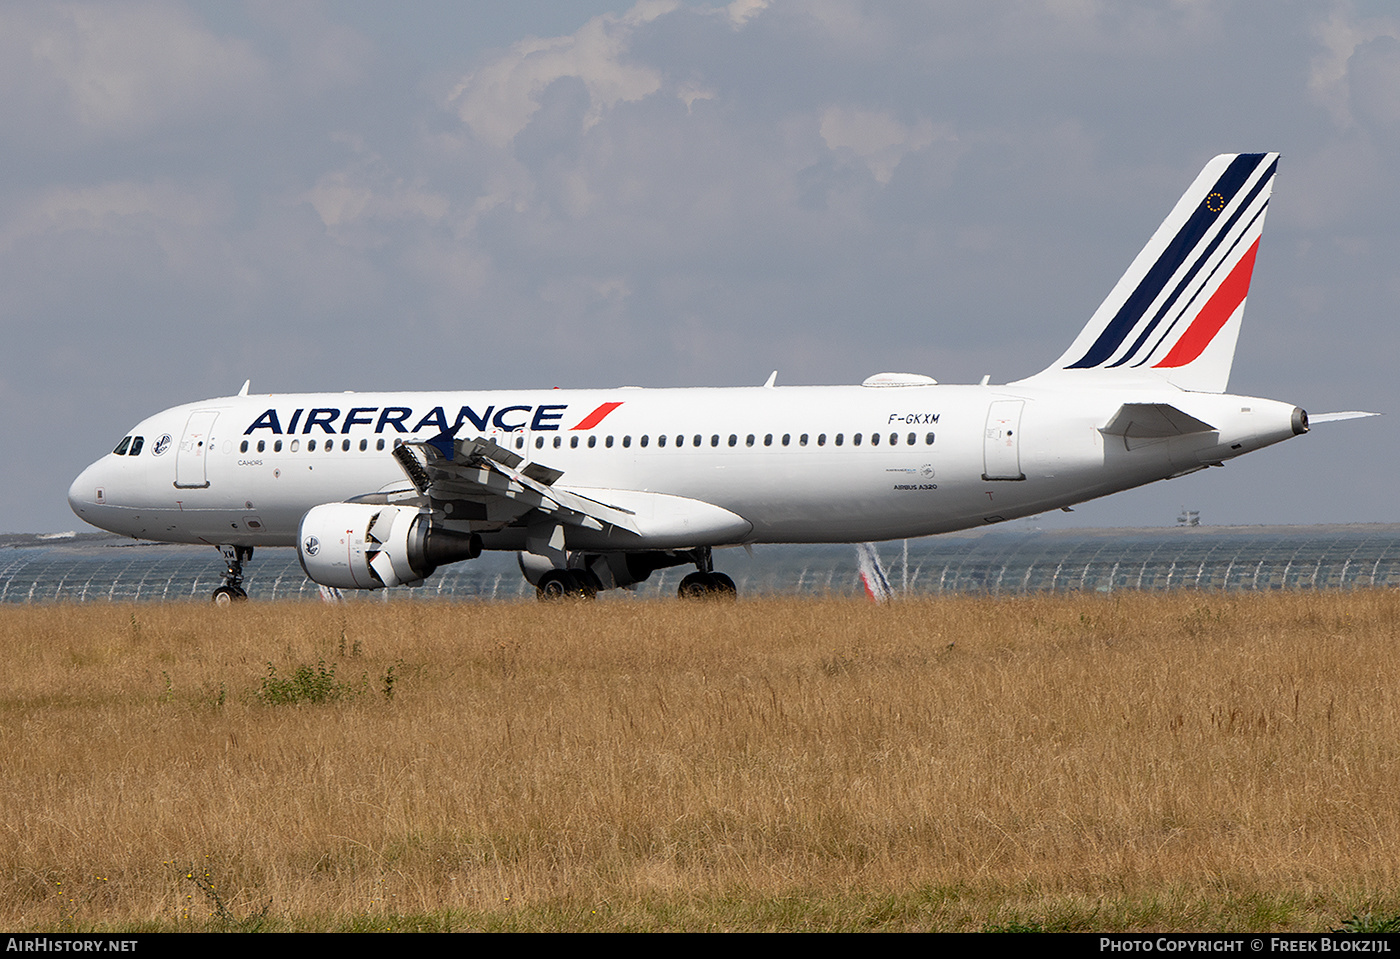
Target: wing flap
x=466 y=478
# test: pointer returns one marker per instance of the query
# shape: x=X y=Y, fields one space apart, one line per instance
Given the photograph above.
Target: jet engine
x=359 y=546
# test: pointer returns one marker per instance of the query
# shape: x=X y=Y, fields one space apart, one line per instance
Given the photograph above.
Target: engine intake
x=360 y=546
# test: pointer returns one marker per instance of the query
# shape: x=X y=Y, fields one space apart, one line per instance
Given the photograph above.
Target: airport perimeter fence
x=1200 y=558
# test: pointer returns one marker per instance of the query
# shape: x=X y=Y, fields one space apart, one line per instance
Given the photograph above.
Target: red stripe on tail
x=1218 y=309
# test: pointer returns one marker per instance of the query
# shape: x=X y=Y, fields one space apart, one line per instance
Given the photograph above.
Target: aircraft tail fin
x=1175 y=314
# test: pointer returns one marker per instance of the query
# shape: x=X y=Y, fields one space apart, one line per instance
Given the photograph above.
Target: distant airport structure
x=99 y=568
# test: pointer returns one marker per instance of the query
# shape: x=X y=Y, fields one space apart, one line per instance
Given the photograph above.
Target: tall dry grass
x=1166 y=761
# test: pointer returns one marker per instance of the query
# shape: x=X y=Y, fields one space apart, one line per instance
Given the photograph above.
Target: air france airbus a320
x=597 y=489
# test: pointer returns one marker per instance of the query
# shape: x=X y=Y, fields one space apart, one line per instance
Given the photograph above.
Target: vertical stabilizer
x=1175 y=314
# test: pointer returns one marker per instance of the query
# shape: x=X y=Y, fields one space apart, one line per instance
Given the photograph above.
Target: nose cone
x=86 y=493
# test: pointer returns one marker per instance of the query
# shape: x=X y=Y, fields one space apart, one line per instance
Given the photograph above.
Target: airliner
x=598 y=489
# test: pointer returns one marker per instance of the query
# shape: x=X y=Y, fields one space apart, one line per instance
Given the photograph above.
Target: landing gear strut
x=232 y=590
x=705 y=583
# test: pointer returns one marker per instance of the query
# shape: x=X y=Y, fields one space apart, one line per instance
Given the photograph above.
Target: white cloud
x=1340 y=36
x=123 y=68
x=123 y=208
x=741 y=12
x=875 y=137
x=343 y=198
x=498 y=100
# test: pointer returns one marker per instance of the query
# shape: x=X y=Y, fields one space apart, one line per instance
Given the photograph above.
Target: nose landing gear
x=232 y=591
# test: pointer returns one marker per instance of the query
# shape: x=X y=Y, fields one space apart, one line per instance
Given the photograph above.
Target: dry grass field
x=1183 y=761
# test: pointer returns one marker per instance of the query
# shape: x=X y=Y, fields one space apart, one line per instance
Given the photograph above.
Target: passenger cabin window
x=243 y=447
x=310 y=446
x=928 y=439
x=262 y=445
x=821 y=439
x=802 y=440
x=855 y=440
x=733 y=440
x=296 y=445
x=626 y=441
x=277 y=446
x=644 y=440
x=592 y=442
x=840 y=438
x=748 y=440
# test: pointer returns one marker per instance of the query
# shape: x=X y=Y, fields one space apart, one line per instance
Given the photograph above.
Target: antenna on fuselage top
x=246 y=384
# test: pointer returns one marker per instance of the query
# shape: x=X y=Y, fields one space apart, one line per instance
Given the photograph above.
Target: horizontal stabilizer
x=1153 y=421
x=1338 y=417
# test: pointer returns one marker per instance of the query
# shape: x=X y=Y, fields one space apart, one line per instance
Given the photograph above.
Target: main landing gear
x=709 y=585
x=567 y=584
x=595 y=573
x=705 y=583
x=232 y=591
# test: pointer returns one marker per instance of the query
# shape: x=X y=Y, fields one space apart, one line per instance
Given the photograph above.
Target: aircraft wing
x=483 y=484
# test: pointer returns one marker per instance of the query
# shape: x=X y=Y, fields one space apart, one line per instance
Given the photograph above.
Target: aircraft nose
x=85 y=492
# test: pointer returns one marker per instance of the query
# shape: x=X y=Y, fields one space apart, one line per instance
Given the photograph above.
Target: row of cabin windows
x=311 y=445
x=130 y=446
x=803 y=439
x=751 y=439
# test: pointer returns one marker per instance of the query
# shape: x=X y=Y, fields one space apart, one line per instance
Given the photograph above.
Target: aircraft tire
x=584 y=584
x=694 y=586
x=722 y=587
x=560 y=584
x=707 y=586
x=228 y=595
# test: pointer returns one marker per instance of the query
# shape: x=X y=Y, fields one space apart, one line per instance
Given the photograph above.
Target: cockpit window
x=136 y=443
x=121 y=447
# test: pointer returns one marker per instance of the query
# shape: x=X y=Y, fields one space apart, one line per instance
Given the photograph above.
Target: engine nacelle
x=358 y=546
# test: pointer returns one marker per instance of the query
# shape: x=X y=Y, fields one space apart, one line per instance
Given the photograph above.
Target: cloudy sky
x=495 y=194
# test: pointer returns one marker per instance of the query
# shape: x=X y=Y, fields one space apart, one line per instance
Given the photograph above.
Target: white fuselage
x=795 y=464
